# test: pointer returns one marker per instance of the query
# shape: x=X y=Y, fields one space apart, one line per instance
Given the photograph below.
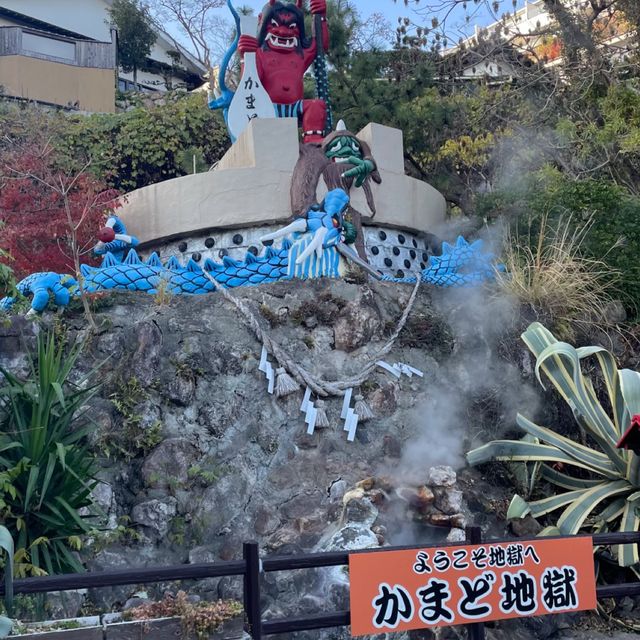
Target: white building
x=39 y=38
x=532 y=18
x=528 y=31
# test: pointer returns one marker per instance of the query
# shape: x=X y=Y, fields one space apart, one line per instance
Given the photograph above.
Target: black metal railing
x=252 y=566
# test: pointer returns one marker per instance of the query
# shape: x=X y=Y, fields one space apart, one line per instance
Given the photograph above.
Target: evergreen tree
x=136 y=35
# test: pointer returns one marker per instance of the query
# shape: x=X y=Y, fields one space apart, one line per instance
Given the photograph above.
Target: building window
x=51 y=47
x=128 y=85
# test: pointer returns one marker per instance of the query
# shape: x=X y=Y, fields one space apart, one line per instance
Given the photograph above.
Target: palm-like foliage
x=46 y=472
x=605 y=494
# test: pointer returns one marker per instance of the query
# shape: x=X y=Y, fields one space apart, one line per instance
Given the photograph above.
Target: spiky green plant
x=47 y=473
x=605 y=494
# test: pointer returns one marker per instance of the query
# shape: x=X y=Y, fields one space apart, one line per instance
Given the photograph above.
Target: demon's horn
x=299 y=3
x=272 y=2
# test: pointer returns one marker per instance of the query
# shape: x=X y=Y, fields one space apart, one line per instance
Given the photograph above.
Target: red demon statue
x=283 y=54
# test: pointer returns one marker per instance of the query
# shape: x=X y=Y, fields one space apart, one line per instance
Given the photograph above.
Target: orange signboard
x=437 y=587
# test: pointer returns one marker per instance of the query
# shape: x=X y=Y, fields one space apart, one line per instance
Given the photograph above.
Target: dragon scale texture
x=461 y=264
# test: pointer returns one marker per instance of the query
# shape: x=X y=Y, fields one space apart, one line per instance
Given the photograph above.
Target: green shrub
x=132 y=149
x=46 y=472
x=6 y=544
x=613 y=212
x=132 y=438
x=7 y=281
x=148 y=145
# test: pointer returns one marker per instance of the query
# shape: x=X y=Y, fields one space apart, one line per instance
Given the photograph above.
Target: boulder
x=447 y=500
x=65 y=604
x=355 y=327
x=441 y=476
x=457 y=535
x=527 y=527
x=169 y=464
x=155 y=514
x=361 y=511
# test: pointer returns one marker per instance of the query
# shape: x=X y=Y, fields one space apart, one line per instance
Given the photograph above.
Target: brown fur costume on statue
x=314 y=164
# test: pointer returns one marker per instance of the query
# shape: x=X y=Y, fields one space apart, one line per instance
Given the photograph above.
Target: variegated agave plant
x=607 y=496
x=6 y=545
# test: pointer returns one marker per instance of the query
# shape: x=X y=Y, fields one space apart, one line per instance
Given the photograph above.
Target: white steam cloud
x=477 y=391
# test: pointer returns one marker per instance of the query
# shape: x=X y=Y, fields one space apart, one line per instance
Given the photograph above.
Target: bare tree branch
x=207 y=33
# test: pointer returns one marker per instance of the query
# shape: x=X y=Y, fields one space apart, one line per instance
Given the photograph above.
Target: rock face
x=146 y=359
x=358 y=323
x=171 y=461
x=214 y=460
x=155 y=515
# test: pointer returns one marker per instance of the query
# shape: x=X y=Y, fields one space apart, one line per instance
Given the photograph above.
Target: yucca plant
x=600 y=484
x=47 y=473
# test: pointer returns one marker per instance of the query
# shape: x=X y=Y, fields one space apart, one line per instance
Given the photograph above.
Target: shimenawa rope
x=321 y=388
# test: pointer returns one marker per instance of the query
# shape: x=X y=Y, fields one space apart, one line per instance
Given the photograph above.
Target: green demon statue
x=342 y=161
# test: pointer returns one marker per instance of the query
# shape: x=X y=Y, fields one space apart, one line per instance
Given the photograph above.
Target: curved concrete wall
x=250 y=187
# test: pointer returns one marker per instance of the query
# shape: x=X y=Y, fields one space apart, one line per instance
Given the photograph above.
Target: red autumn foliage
x=35 y=229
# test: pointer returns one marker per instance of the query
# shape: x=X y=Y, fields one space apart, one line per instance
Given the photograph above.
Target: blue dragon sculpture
x=311 y=248
x=113 y=238
x=42 y=287
x=224 y=100
x=462 y=264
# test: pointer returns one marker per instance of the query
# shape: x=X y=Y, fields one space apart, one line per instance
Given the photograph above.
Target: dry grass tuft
x=550 y=274
x=163 y=295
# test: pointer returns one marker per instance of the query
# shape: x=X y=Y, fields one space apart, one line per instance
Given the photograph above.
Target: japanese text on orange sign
x=417 y=589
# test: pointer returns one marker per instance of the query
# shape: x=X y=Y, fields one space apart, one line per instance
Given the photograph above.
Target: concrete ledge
x=156 y=629
x=250 y=187
x=268 y=144
x=164 y=628
x=90 y=633
x=214 y=200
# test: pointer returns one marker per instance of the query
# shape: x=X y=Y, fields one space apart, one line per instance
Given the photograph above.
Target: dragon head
x=326 y=221
x=324 y=227
x=334 y=205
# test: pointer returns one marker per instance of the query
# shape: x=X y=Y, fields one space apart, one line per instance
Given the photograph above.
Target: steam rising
x=476 y=392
